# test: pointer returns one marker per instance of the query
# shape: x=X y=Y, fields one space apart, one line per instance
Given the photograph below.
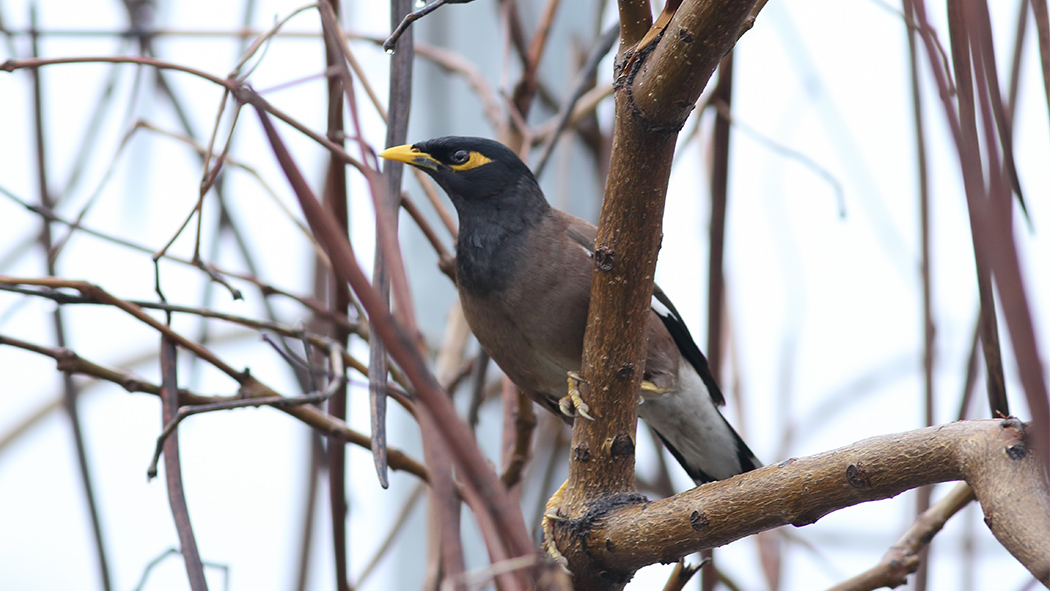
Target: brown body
x=542 y=320
x=524 y=274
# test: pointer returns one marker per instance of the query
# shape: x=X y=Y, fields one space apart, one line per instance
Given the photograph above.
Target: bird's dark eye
x=460 y=156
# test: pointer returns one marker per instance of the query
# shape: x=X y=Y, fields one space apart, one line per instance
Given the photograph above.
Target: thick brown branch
x=670 y=81
x=649 y=113
x=994 y=457
x=635 y=20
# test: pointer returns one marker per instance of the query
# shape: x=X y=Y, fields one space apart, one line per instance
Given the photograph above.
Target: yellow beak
x=410 y=155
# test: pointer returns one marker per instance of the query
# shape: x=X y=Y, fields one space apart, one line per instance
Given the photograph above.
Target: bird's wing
x=581 y=232
x=584 y=233
x=674 y=324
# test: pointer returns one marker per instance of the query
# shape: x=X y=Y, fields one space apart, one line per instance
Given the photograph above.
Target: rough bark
x=656 y=88
x=993 y=456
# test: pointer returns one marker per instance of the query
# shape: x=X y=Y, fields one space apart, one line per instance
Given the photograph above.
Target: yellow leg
x=550 y=514
x=651 y=387
x=573 y=404
x=648 y=386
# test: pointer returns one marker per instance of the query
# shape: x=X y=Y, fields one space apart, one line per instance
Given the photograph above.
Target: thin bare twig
x=225 y=568
x=519 y=423
x=492 y=495
x=336 y=381
x=169 y=397
x=903 y=557
x=399 y=100
x=681 y=574
x=390 y=44
x=69 y=389
x=922 y=498
x=249 y=386
x=340 y=88
x=388 y=540
x=585 y=80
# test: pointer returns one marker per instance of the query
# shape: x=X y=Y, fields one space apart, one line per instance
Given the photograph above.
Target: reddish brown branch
x=990 y=214
x=635 y=20
x=401 y=343
x=519 y=422
x=169 y=398
x=335 y=201
x=1042 y=25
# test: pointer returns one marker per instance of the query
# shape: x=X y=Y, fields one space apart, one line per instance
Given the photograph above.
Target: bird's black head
x=497 y=198
x=482 y=177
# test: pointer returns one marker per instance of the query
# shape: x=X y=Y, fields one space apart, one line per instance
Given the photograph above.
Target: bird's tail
x=694 y=464
x=698 y=436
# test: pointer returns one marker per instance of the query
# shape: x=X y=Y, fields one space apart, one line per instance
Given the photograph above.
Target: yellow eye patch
x=476 y=159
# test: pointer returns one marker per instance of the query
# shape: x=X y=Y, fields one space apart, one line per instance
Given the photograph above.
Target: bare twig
x=399 y=101
x=69 y=389
x=902 y=558
x=723 y=96
x=584 y=81
x=1042 y=25
x=928 y=331
x=990 y=223
x=474 y=470
x=681 y=574
x=391 y=43
x=336 y=382
x=250 y=387
x=519 y=422
x=225 y=568
x=822 y=172
x=527 y=85
x=339 y=87
x=169 y=397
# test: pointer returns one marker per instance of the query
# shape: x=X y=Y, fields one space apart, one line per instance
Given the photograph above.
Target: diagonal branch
x=471 y=464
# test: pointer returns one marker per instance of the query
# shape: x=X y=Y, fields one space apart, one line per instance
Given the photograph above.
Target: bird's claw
x=573 y=404
x=652 y=388
x=550 y=515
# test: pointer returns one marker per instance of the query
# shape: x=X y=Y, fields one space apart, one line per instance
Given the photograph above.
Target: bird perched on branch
x=523 y=270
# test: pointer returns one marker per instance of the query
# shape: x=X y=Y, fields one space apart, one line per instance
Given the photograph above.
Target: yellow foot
x=648 y=386
x=572 y=404
x=651 y=387
x=550 y=515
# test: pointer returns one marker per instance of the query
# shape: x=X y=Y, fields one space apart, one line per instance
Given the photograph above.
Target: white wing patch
x=662 y=310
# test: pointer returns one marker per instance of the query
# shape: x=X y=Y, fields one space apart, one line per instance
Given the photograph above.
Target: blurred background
x=823 y=339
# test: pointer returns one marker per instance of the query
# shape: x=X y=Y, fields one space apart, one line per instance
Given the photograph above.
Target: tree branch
x=903 y=558
x=651 y=87
x=993 y=456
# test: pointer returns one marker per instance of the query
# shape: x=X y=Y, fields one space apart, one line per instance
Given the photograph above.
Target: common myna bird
x=523 y=270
